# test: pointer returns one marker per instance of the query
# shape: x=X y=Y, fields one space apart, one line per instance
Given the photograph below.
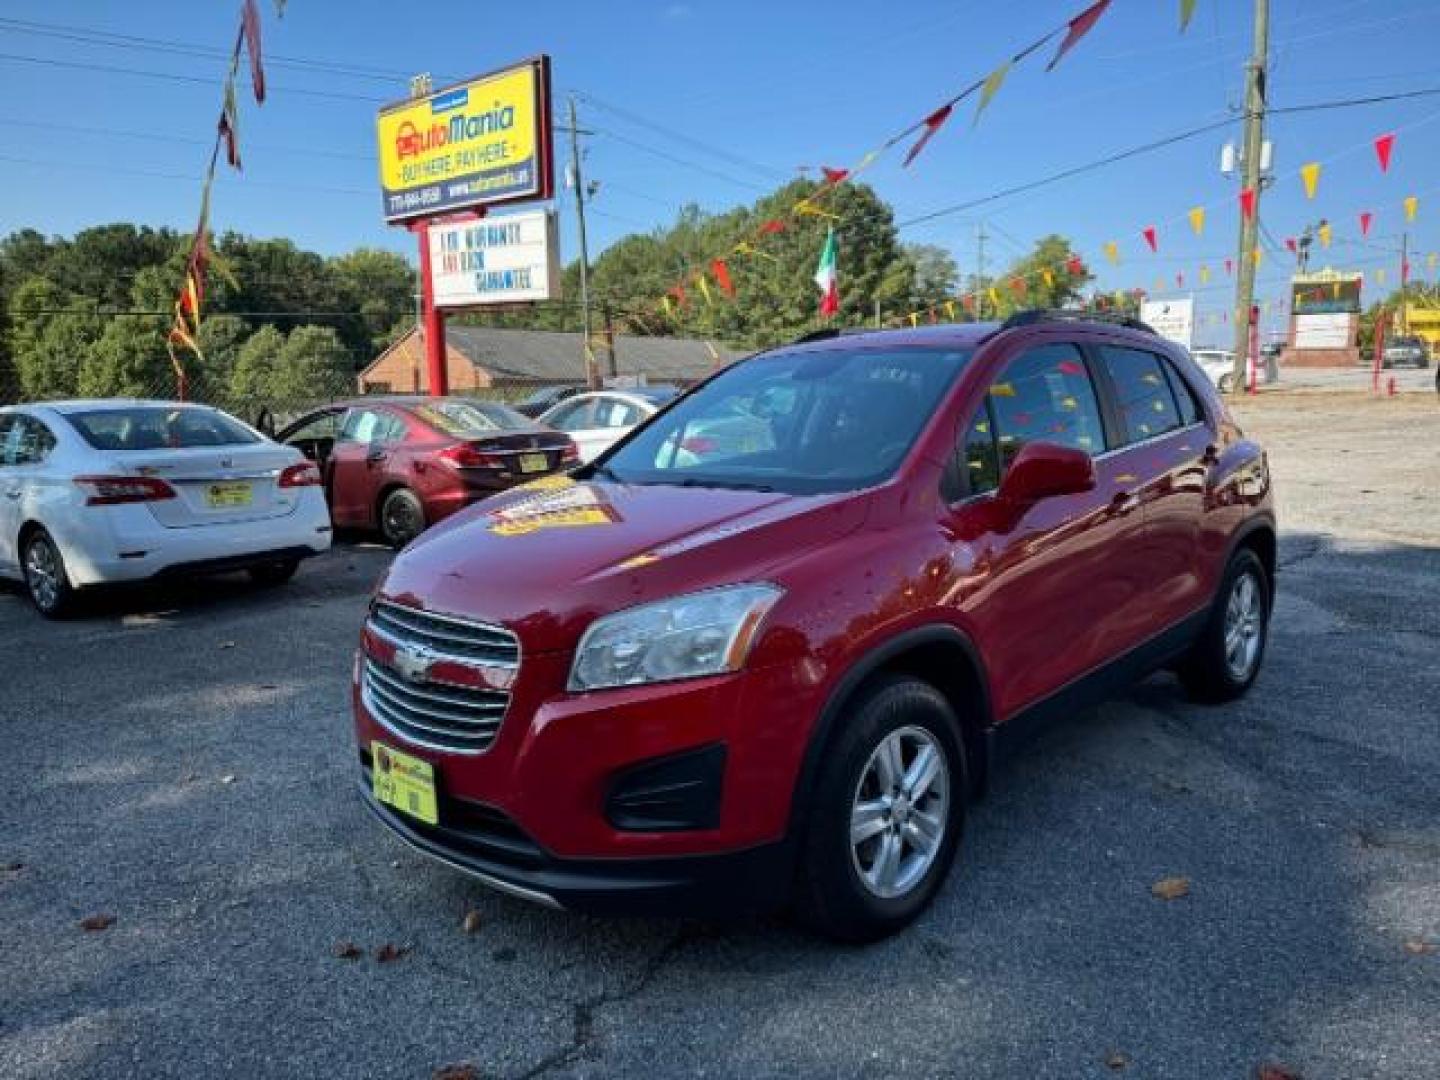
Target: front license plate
x=404 y=782
x=533 y=463
x=226 y=496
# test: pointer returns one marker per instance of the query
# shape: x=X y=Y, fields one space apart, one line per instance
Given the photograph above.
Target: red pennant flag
x=1149 y=234
x=1404 y=271
x=1017 y=286
x=933 y=123
x=1247 y=202
x=834 y=176
x=1383 y=145
x=1290 y=243
x=1075 y=265
x=933 y=320
x=1229 y=266
x=1366 y=217
x=679 y=293
x=1080 y=25
x=250 y=28
x=1179 y=281
x=968 y=302
x=774 y=225
x=722 y=276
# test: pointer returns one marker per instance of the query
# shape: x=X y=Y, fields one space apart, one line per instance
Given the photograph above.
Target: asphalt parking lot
x=181 y=762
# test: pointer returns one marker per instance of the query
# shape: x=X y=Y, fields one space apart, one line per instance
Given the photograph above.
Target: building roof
x=552 y=356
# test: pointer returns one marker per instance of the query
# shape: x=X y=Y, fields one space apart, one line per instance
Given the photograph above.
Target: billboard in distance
x=483 y=141
x=506 y=259
x=1173 y=320
x=1325 y=293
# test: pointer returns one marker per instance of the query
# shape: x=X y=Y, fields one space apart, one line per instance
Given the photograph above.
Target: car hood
x=545 y=559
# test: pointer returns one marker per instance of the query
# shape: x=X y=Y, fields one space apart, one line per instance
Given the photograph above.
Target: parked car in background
x=778 y=664
x=400 y=464
x=545 y=398
x=1218 y=366
x=93 y=492
x=1406 y=351
x=598 y=420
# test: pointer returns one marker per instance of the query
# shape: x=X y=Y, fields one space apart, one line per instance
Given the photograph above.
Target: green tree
x=220 y=339
x=936 y=278
x=379 y=286
x=253 y=380
x=51 y=334
x=313 y=365
x=128 y=360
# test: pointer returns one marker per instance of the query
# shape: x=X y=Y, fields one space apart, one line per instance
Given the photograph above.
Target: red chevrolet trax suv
x=768 y=647
x=400 y=464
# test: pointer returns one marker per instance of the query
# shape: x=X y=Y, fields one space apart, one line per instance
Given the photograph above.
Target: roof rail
x=1037 y=315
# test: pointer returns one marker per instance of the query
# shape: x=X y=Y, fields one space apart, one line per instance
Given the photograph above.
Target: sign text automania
x=410 y=141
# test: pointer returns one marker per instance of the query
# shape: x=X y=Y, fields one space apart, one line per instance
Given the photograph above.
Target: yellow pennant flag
x=992 y=85
x=1112 y=252
x=1049 y=276
x=1259 y=256
x=665 y=303
x=1197 y=219
x=1412 y=204
x=704 y=289
x=1204 y=274
x=1335 y=291
x=1380 y=276
x=1187 y=12
x=914 y=318
x=1310 y=177
x=950 y=308
x=1324 y=232
x=994 y=297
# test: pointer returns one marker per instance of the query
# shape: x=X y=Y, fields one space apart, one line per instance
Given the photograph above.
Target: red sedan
x=400 y=464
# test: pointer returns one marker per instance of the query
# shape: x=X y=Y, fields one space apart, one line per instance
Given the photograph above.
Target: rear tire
x=46 y=579
x=887 y=814
x=402 y=517
x=271 y=575
x=1224 y=662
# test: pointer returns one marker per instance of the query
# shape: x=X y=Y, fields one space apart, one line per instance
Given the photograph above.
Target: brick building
x=483 y=358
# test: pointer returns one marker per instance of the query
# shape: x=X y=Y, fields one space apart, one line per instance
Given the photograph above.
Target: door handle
x=1211 y=456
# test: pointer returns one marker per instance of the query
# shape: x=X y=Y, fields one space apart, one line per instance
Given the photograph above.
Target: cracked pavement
x=182 y=761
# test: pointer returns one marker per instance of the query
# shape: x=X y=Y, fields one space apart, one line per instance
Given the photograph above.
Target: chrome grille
x=455 y=718
x=452 y=638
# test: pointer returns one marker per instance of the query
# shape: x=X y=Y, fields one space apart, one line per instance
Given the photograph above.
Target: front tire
x=1224 y=662
x=402 y=517
x=46 y=579
x=887 y=815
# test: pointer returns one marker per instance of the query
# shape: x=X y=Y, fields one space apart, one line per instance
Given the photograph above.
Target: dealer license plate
x=227 y=496
x=404 y=782
x=533 y=463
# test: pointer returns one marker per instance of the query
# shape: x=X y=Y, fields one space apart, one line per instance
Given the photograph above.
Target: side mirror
x=1045 y=470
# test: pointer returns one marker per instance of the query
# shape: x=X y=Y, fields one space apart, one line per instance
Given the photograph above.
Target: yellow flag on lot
x=1197 y=219
x=992 y=85
x=1259 y=256
x=1412 y=204
x=1310 y=177
x=1112 y=252
x=994 y=297
x=1204 y=274
x=1380 y=276
x=914 y=318
x=1049 y=276
x=1324 y=232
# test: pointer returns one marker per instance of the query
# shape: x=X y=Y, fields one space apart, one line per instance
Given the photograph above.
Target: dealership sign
x=483 y=141
x=1327 y=330
x=509 y=259
x=1173 y=320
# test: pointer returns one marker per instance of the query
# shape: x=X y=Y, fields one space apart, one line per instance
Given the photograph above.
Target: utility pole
x=980 y=272
x=592 y=375
x=877 y=314
x=1404 y=281
x=1255 y=94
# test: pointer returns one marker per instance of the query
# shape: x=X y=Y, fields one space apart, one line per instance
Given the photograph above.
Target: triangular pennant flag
x=250 y=28
x=229 y=125
x=1197 y=219
x=1412 y=204
x=1380 y=276
x=834 y=176
x=1257 y=255
x=1383 y=147
x=1112 y=252
x=1204 y=275
x=1324 y=233
x=1291 y=246
x=994 y=296
x=1247 y=203
x=1366 y=217
x=1404 y=271
x=1229 y=267
x=1017 y=286
x=1187 y=12
x=990 y=87
x=950 y=309
x=678 y=291
x=774 y=225
x=1149 y=233
x=932 y=123
x=1075 y=265
x=1179 y=281
x=914 y=318
x=665 y=303
x=704 y=288
x=1080 y=25
x=1310 y=177
x=1049 y=276
x=722 y=277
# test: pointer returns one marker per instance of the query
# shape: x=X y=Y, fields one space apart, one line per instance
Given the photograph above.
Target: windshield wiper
x=728 y=485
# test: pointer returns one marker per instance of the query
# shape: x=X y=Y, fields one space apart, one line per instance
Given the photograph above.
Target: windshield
x=802 y=422
x=152 y=427
x=466 y=419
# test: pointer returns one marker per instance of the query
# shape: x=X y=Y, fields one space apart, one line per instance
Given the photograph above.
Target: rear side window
x=1184 y=397
x=1142 y=392
x=150 y=427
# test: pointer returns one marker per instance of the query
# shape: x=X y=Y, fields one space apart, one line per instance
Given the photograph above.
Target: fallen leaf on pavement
x=227 y=644
x=347 y=950
x=1420 y=947
x=388 y=952
x=1271 y=1071
x=97 y=922
x=228 y=778
x=1171 y=888
x=471 y=922
x=1116 y=1060
x=462 y=1071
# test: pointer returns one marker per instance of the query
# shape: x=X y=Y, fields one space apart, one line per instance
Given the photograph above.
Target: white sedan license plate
x=533 y=463
x=228 y=496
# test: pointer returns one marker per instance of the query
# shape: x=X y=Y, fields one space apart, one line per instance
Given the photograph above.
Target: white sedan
x=597 y=421
x=1219 y=367
x=93 y=492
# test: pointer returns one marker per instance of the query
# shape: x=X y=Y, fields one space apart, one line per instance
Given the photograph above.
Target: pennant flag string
x=1384 y=145
x=1079 y=26
x=1310 y=177
x=933 y=123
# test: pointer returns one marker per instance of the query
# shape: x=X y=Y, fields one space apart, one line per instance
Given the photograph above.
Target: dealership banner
x=1173 y=320
x=483 y=141
x=506 y=259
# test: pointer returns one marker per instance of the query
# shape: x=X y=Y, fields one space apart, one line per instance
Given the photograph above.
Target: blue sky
x=714 y=103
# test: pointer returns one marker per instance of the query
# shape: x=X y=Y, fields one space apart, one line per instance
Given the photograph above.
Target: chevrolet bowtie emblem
x=413 y=662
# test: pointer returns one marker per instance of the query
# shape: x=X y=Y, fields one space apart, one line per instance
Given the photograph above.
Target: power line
x=148 y=136
x=189 y=177
x=680 y=137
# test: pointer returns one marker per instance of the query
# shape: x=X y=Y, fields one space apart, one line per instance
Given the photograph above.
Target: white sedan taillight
x=305 y=474
x=114 y=490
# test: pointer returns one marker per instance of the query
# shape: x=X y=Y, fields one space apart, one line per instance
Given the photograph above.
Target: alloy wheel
x=42 y=573
x=1244 y=625
x=899 y=812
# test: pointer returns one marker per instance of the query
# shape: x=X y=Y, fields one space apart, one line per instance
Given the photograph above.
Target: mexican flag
x=826 y=278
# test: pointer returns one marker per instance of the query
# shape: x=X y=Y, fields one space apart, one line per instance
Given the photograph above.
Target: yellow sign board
x=483 y=141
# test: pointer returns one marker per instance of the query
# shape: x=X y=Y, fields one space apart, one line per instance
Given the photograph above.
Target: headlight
x=701 y=633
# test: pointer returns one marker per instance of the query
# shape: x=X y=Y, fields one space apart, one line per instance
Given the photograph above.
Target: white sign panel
x=1326 y=331
x=509 y=259
x=1173 y=320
